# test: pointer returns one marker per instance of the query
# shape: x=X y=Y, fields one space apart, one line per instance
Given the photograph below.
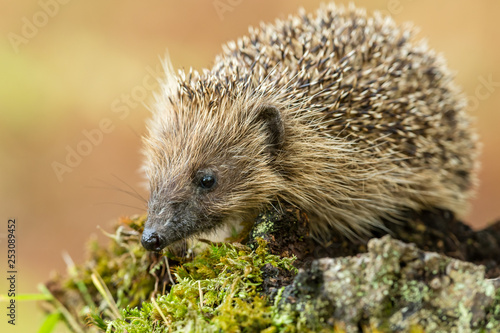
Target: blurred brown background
x=69 y=67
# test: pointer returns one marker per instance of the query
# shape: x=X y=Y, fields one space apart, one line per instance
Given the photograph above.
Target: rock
x=395 y=287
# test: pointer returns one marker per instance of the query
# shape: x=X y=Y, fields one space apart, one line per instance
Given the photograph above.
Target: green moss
x=218 y=290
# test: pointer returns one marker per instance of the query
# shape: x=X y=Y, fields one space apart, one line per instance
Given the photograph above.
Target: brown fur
x=368 y=124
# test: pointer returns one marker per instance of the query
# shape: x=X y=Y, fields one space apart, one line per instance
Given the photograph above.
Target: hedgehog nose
x=152 y=241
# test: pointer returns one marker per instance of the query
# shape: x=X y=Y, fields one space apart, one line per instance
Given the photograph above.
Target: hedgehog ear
x=271 y=117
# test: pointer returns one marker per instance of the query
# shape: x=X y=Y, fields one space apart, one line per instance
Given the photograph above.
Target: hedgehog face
x=182 y=206
x=202 y=174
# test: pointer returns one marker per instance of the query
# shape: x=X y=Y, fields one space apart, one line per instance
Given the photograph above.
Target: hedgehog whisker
x=138 y=195
x=118 y=204
x=112 y=187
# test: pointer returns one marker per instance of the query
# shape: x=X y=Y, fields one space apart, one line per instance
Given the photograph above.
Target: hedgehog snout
x=152 y=240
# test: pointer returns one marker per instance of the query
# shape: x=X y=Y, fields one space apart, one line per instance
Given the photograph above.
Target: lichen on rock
x=395 y=287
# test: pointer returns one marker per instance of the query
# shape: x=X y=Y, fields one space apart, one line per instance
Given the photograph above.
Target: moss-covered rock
x=395 y=287
x=387 y=286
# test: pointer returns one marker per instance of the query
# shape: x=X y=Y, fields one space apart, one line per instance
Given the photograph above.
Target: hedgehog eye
x=207 y=182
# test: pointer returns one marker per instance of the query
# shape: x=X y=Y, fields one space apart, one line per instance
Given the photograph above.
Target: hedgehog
x=344 y=115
